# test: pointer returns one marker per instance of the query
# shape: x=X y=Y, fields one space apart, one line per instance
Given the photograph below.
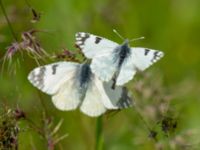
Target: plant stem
x=99 y=134
x=8 y=21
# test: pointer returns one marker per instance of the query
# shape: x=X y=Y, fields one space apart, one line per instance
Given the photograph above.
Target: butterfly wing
x=104 y=66
x=126 y=72
x=100 y=97
x=143 y=57
x=93 y=45
x=92 y=104
x=68 y=96
x=117 y=98
x=58 y=79
x=139 y=59
x=50 y=77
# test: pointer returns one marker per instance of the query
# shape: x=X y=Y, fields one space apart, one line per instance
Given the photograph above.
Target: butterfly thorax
x=84 y=76
x=122 y=52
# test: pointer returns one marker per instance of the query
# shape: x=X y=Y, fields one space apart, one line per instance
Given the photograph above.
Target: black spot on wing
x=32 y=77
x=54 y=68
x=156 y=56
x=85 y=37
x=38 y=79
x=97 y=39
x=125 y=101
x=81 y=38
x=146 y=51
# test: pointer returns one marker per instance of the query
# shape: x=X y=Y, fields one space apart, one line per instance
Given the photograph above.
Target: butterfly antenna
x=136 y=39
x=115 y=31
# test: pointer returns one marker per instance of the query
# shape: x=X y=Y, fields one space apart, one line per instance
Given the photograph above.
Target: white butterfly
x=113 y=61
x=73 y=85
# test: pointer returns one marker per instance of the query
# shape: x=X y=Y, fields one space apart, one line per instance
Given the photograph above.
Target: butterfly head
x=127 y=41
x=125 y=44
x=86 y=61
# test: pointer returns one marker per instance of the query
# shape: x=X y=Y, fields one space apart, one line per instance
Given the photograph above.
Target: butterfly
x=73 y=85
x=112 y=61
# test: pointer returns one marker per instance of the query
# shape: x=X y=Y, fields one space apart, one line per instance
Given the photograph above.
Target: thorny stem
x=8 y=21
x=99 y=135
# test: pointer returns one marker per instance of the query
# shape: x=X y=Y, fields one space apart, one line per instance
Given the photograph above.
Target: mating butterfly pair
x=94 y=87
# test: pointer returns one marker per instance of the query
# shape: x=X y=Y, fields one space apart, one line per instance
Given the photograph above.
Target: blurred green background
x=172 y=26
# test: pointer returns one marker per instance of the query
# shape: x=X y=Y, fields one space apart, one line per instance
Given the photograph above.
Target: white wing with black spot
x=139 y=59
x=62 y=81
x=58 y=79
x=117 y=98
x=106 y=55
x=143 y=57
x=101 y=97
x=49 y=78
x=93 y=45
